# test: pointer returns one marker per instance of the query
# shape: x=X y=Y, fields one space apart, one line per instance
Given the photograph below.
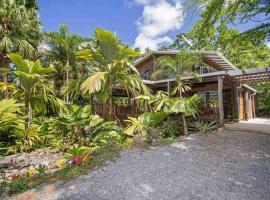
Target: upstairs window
x=202 y=70
x=146 y=75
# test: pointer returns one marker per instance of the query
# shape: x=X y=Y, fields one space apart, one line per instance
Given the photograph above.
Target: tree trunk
x=28 y=112
x=184 y=124
x=67 y=79
x=110 y=103
x=184 y=121
x=4 y=65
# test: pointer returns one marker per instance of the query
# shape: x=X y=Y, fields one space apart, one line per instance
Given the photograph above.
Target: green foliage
x=263 y=99
x=187 y=106
x=76 y=126
x=61 y=163
x=77 y=151
x=31 y=171
x=238 y=11
x=20 y=31
x=10 y=120
x=143 y=124
x=112 y=67
x=203 y=127
x=107 y=137
x=180 y=66
x=18 y=185
x=170 y=128
x=41 y=169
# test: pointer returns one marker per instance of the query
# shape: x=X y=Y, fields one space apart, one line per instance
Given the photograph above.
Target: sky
x=140 y=23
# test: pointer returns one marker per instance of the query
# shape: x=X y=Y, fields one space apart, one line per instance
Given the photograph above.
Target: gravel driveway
x=232 y=165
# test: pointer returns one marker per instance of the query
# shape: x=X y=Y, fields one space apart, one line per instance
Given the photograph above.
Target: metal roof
x=215 y=57
x=223 y=67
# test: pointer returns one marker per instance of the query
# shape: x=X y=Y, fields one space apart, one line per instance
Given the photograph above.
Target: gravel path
x=232 y=165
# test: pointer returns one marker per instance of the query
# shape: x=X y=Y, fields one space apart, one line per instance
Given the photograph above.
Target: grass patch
x=104 y=154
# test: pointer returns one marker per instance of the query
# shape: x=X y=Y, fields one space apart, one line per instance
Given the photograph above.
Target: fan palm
x=29 y=74
x=19 y=32
x=112 y=68
x=180 y=66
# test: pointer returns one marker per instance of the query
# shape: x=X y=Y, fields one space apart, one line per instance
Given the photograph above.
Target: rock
x=51 y=165
x=4 y=163
x=72 y=187
x=22 y=160
x=5 y=194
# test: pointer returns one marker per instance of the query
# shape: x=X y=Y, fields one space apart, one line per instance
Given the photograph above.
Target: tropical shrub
x=32 y=78
x=10 y=120
x=27 y=140
x=41 y=169
x=170 y=128
x=203 y=127
x=61 y=163
x=31 y=171
x=143 y=124
x=77 y=125
x=18 y=185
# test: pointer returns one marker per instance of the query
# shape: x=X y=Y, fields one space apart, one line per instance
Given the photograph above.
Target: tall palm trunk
x=67 y=79
x=184 y=121
x=110 y=103
x=4 y=65
x=28 y=112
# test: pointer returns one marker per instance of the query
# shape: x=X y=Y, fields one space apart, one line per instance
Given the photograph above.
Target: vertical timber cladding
x=241 y=106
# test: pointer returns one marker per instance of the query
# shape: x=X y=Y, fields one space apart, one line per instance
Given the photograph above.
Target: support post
x=253 y=105
x=246 y=106
x=220 y=101
x=235 y=103
x=168 y=88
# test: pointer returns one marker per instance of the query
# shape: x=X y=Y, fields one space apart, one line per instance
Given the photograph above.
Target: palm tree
x=19 y=32
x=163 y=102
x=180 y=66
x=111 y=68
x=30 y=74
x=63 y=47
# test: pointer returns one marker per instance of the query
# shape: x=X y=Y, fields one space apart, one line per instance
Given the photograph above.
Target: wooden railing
x=120 y=112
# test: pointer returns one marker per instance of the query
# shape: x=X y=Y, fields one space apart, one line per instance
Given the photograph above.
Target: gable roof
x=214 y=57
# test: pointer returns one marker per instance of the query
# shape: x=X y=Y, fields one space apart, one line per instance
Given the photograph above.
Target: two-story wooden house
x=223 y=88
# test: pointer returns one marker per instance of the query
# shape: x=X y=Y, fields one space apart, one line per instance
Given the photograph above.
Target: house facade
x=226 y=95
x=238 y=100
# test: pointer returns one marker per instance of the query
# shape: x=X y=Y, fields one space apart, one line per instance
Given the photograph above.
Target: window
x=146 y=74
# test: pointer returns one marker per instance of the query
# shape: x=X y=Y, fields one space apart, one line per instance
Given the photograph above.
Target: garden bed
x=25 y=183
x=20 y=163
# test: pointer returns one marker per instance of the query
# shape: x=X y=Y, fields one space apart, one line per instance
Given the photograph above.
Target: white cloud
x=159 y=17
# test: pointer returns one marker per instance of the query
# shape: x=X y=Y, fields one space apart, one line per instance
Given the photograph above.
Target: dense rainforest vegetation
x=50 y=80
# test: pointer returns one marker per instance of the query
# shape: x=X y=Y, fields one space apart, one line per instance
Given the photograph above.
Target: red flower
x=76 y=160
